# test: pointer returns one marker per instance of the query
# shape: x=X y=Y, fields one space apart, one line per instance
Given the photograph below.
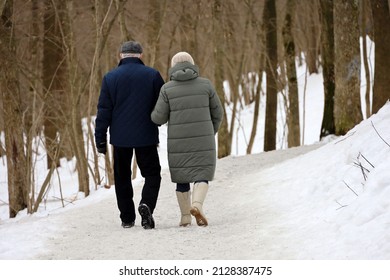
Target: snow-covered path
x=242 y=226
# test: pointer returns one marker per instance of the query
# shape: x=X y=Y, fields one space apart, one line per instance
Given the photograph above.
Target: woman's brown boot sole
x=200 y=219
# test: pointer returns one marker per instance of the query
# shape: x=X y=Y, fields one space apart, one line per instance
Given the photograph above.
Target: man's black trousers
x=149 y=165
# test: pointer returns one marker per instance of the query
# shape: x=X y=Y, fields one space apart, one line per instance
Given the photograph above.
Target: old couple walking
x=133 y=101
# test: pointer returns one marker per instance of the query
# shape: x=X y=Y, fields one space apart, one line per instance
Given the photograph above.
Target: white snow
x=327 y=200
x=289 y=204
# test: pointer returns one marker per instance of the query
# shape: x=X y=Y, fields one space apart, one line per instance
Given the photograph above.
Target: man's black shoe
x=127 y=225
x=147 y=218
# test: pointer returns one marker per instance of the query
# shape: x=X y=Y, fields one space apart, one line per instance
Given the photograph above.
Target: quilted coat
x=194 y=113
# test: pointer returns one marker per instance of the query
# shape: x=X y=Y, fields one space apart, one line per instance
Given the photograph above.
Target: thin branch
x=345 y=137
x=350 y=188
x=4 y=202
x=379 y=134
x=363 y=169
x=367 y=161
x=46 y=184
x=360 y=165
x=60 y=187
x=69 y=201
x=304 y=108
x=341 y=206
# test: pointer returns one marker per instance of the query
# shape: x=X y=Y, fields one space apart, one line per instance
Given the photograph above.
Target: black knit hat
x=131 y=47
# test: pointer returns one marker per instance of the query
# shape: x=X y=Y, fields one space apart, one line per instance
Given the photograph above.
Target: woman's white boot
x=198 y=196
x=184 y=200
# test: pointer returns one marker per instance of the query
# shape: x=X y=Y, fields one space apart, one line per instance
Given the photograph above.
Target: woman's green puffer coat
x=194 y=113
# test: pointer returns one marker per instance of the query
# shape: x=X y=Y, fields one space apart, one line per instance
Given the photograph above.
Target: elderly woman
x=194 y=113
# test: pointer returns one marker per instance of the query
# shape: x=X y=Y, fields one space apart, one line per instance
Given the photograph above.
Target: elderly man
x=127 y=97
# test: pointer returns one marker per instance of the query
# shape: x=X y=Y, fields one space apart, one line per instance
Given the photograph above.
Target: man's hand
x=102 y=147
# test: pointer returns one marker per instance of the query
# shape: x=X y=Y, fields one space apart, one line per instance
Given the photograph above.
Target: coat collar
x=128 y=60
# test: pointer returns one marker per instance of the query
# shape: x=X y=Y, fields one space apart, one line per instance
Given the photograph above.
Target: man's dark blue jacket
x=127 y=98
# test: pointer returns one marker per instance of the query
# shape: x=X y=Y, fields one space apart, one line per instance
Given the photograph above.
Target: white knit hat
x=181 y=57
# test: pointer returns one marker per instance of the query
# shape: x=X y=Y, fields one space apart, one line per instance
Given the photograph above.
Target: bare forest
x=54 y=53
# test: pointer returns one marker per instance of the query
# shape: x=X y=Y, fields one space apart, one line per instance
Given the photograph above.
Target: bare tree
x=294 y=134
x=256 y=86
x=312 y=53
x=33 y=120
x=363 y=25
x=73 y=97
x=156 y=14
x=103 y=26
x=224 y=146
x=271 y=72
x=307 y=34
x=236 y=58
x=381 y=17
x=257 y=95
x=126 y=34
x=327 y=55
x=347 y=109
x=190 y=15
x=54 y=71
x=12 y=114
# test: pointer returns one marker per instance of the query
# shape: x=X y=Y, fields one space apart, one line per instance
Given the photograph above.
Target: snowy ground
x=305 y=203
x=327 y=201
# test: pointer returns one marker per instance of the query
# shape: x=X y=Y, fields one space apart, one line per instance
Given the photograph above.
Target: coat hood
x=183 y=71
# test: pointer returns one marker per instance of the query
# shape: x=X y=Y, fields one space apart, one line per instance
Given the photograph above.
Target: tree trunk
x=347 y=67
x=54 y=80
x=294 y=134
x=381 y=16
x=256 y=113
x=327 y=52
x=102 y=29
x=236 y=60
x=365 y=57
x=93 y=84
x=255 y=23
x=74 y=95
x=271 y=72
x=12 y=114
x=186 y=20
x=156 y=14
x=312 y=52
x=33 y=123
x=307 y=33
x=126 y=35
x=224 y=148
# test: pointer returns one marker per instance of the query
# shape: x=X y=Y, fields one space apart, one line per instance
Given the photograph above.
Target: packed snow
x=325 y=200
x=321 y=201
